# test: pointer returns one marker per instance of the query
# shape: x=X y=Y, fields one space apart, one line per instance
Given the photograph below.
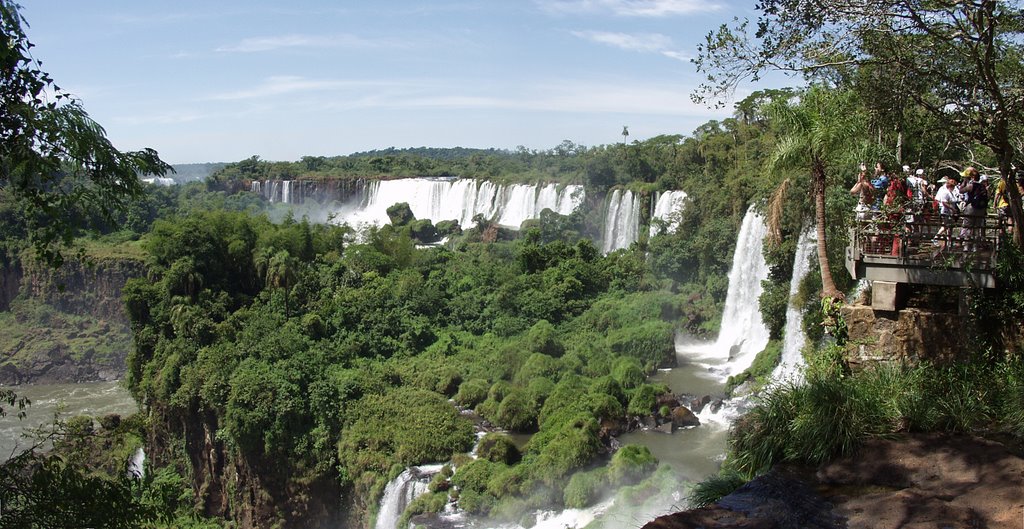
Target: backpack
x=977 y=197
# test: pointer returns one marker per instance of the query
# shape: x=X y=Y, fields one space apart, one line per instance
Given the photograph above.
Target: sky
x=206 y=81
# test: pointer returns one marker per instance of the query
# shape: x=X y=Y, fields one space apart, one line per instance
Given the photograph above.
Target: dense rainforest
x=287 y=370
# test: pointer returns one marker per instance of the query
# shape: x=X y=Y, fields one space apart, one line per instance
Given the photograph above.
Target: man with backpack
x=975 y=194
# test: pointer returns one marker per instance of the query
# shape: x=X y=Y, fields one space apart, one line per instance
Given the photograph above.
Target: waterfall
x=743 y=333
x=286 y=191
x=791 y=362
x=136 y=467
x=401 y=491
x=667 y=203
x=440 y=199
x=622 y=220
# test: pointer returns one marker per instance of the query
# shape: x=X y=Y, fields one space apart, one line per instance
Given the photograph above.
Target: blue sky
x=221 y=81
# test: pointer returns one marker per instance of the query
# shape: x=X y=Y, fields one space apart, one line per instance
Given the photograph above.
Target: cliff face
x=250 y=491
x=65 y=325
x=907 y=336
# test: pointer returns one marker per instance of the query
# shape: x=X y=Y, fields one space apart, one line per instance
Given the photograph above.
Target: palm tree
x=281 y=273
x=818 y=128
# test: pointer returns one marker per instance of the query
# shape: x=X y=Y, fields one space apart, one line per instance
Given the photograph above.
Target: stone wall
x=907 y=336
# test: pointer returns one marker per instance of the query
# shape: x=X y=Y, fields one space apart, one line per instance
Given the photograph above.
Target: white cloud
x=630 y=8
x=649 y=43
x=167 y=118
x=285 y=84
x=258 y=44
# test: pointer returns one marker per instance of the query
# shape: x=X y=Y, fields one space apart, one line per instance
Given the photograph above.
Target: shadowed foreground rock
x=914 y=482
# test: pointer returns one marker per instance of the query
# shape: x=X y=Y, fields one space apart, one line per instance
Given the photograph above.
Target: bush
x=498 y=448
x=474 y=475
x=651 y=343
x=538 y=365
x=643 y=401
x=543 y=339
x=608 y=386
x=628 y=373
x=630 y=464
x=472 y=392
x=584 y=488
x=604 y=406
x=715 y=488
x=517 y=412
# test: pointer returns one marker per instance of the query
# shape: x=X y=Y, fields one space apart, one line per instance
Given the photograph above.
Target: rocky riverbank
x=914 y=481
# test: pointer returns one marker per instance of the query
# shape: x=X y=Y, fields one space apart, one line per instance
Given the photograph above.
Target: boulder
x=682 y=417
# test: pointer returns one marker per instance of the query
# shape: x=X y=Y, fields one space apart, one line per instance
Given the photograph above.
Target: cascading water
x=743 y=334
x=622 y=220
x=789 y=368
x=665 y=206
x=286 y=191
x=461 y=199
x=136 y=467
x=401 y=491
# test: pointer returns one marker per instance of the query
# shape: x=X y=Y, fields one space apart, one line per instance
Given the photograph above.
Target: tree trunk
x=828 y=286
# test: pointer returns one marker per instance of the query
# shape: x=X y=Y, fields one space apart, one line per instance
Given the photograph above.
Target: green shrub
x=538 y=365
x=630 y=464
x=715 y=488
x=584 y=488
x=609 y=386
x=652 y=342
x=643 y=401
x=604 y=406
x=472 y=392
x=628 y=373
x=498 y=448
x=517 y=412
x=430 y=502
x=542 y=338
x=473 y=476
x=498 y=390
x=539 y=390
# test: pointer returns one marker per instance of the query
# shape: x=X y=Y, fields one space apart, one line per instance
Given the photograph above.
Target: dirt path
x=913 y=482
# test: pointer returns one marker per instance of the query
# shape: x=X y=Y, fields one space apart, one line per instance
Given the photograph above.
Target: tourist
x=896 y=198
x=865 y=193
x=975 y=198
x=948 y=202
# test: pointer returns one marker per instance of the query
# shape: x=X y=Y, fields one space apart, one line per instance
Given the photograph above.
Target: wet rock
x=682 y=417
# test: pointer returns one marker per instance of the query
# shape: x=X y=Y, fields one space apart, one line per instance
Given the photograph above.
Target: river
x=66 y=400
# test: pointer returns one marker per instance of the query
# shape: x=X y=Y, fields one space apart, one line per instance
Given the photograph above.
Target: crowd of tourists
x=952 y=210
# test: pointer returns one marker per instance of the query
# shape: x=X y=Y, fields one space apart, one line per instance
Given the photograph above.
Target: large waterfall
x=743 y=333
x=789 y=368
x=463 y=199
x=622 y=220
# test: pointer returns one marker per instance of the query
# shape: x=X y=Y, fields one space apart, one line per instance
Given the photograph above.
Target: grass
x=834 y=412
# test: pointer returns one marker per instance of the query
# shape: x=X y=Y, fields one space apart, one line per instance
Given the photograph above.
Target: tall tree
x=55 y=161
x=960 y=61
x=818 y=128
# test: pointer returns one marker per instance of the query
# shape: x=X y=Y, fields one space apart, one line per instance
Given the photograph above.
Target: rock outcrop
x=907 y=336
x=65 y=325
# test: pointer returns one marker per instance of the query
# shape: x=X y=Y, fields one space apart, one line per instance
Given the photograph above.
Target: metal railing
x=925 y=238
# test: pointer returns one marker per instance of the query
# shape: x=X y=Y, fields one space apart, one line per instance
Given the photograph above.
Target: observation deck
x=893 y=249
